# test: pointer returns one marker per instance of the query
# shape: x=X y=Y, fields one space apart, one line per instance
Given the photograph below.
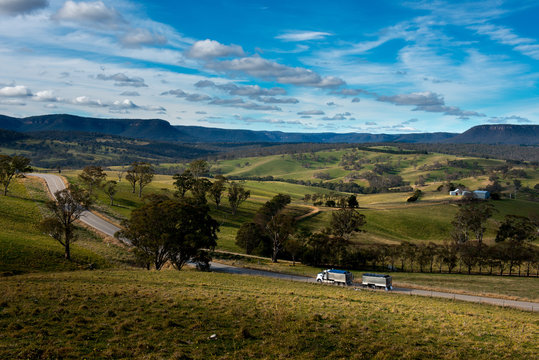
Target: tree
x=276 y=225
x=199 y=168
x=11 y=166
x=236 y=195
x=141 y=173
x=120 y=173
x=145 y=173
x=200 y=188
x=110 y=189
x=471 y=218
x=296 y=244
x=92 y=177
x=344 y=222
x=183 y=182
x=67 y=208
x=516 y=231
x=174 y=230
x=217 y=188
x=249 y=237
x=132 y=179
x=352 y=202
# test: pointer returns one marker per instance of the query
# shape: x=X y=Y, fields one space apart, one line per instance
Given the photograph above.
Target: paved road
x=55 y=183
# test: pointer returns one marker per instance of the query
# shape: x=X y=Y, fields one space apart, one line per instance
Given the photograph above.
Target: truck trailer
x=377 y=280
x=333 y=276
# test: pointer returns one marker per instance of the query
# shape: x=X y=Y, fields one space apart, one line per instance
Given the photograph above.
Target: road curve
x=55 y=183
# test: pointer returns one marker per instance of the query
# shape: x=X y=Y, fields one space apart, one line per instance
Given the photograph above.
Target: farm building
x=479 y=194
x=456 y=192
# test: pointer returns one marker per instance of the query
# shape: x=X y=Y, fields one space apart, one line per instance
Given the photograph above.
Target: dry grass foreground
x=169 y=314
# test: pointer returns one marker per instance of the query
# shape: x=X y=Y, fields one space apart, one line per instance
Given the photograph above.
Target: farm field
x=390 y=219
x=147 y=314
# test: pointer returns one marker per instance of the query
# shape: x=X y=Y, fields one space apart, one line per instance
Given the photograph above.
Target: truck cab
x=333 y=276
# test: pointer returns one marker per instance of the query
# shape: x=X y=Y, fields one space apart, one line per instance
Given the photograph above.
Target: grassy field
x=25 y=249
x=153 y=315
x=509 y=287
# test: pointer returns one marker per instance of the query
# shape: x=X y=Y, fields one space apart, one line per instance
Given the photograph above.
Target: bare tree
x=110 y=189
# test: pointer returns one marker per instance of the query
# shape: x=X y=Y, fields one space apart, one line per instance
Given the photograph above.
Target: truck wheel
x=319 y=280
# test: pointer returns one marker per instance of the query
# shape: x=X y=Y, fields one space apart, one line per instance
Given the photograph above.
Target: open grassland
x=24 y=248
x=154 y=315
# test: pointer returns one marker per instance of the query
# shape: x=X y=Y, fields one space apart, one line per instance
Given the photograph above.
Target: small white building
x=456 y=192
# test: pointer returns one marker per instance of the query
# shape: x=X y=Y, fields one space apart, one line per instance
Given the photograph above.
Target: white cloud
x=251 y=91
x=303 y=35
x=46 y=95
x=130 y=93
x=208 y=49
x=15 y=91
x=259 y=67
x=89 y=13
x=87 y=101
x=506 y=36
x=18 y=7
x=136 y=38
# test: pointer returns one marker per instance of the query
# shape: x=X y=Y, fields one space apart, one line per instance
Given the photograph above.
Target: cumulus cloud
x=370 y=123
x=209 y=49
x=430 y=102
x=356 y=100
x=120 y=79
x=311 y=112
x=506 y=119
x=19 y=7
x=15 y=91
x=87 y=101
x=137 y=38
x=89 y=13
x=201 y=112
x=303 y=35
x=46 y=95
x=269 y=70
x=418 y=99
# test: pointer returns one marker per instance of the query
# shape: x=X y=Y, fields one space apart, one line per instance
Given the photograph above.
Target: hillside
x=499 y=134
x=139 y=314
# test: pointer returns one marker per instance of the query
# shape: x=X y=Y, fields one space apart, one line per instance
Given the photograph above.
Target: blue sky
x=308 y=66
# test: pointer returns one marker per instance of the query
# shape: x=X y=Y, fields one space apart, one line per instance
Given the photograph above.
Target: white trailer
x=332 y=276
x=377 y=280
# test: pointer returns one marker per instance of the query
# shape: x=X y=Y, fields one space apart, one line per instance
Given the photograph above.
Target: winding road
x=55 y=183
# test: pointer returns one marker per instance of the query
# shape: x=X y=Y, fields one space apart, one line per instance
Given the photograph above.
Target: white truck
x=332 y=276
x=377 y=280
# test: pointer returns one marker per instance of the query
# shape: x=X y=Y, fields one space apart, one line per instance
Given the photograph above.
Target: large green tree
x=11 y=166
x=344 y=222
x=183 y=182
x=514 y=234
x=174 y=230
x=217 y=189
x=140 y=173
x=274 y=223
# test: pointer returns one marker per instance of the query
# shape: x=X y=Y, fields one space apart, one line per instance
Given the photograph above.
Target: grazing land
x=141 y=314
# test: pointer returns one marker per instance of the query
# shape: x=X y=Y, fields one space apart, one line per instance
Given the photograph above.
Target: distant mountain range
x=161 y=130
